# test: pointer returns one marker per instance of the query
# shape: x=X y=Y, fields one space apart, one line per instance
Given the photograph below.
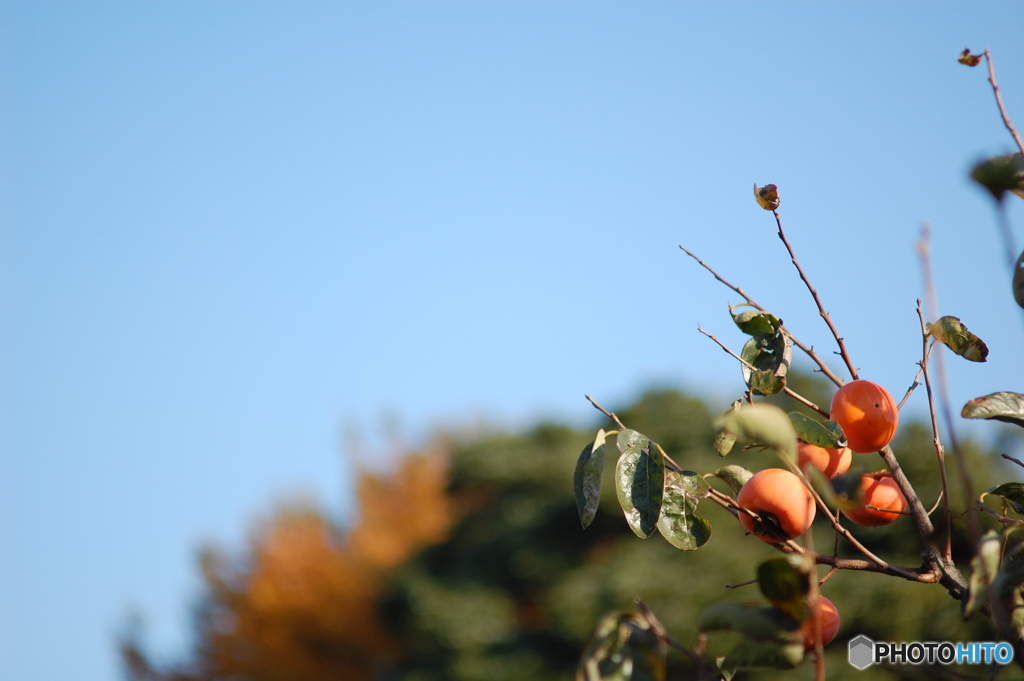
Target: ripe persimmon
x=881 y=492
x=831 y=462
x=779 y=494
x=867 y=413
x=828 y=620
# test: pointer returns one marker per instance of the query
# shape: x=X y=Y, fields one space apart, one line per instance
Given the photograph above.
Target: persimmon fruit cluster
x=867 y=413
x=883 y=495
x=780 y=499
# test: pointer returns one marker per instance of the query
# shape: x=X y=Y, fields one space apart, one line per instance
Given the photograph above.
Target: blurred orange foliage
x=302 y=604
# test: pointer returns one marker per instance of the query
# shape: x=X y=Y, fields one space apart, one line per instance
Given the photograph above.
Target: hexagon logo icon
x=862 y=652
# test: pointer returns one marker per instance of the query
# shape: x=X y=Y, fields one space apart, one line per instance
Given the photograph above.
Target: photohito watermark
x=864 y=652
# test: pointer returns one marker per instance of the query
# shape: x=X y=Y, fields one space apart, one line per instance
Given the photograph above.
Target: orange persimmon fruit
x=831 y=462
x=881 y=492
x=780 y=494
x=867 y=413
x=828 y=620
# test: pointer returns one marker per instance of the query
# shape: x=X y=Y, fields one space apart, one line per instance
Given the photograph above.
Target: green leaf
x=724 y=443
x=734 y=476
x=1008 y=407
x=770 y=355
x=1012 y=492
x=952 y=333
x=640 y=482
x=763 y=654
x=1000 y=174
x=764 y=424
x=1018 y=278
x=679 y=523
x=755 y=322
x=623 y=648
x=753 y=622
x=984 y=567
x=767 y=196
x=1011 y=573
x=587 y=479
x=785 y=583
x=829 y=434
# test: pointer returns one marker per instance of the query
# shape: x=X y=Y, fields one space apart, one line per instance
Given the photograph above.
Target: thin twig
x=1001 y=518
x=813 y=593
x=808 y=350
x=736 y=586
x=601 y=409
x=915 y=384
x=933 y=312
x=817 y=301
x=1016 y=461
x=833 y=520
x=940 y=453
x=999 y=101
x=796 y=396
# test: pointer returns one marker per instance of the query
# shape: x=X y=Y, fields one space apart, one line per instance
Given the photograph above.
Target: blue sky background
x=231 y=233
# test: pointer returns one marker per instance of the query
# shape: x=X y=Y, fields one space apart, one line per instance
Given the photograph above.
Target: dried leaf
x=767 y=196
x=968 y=59
x=953 y=333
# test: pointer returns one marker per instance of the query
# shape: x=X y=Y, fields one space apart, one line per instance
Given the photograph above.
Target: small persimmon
x=883 y=495
x=782 y=496
x=828 y=620
x=831 y=462
x=867 y=413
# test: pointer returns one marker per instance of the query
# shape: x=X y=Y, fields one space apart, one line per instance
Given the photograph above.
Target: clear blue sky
x=231 y=231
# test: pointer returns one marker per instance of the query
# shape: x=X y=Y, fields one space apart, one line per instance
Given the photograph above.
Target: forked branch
x=807 y=350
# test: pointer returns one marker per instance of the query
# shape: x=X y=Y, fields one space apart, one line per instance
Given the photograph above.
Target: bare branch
x=601 y=409
x=1016 y=461
x=796 y=396
x=999 y=101
x=940 y=453
x=933 y=312
x=808 y=350
x=817 y=301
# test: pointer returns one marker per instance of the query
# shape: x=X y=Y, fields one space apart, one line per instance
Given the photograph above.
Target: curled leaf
x=953 y=333
x=767 y=196
x=770 y=355
x=1000 y=174
x=968 y=59
x=587 y=479
x=764 y=424
x=1002 y=406
x=1010 y=492
x=755 y=322
x=734 y=476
